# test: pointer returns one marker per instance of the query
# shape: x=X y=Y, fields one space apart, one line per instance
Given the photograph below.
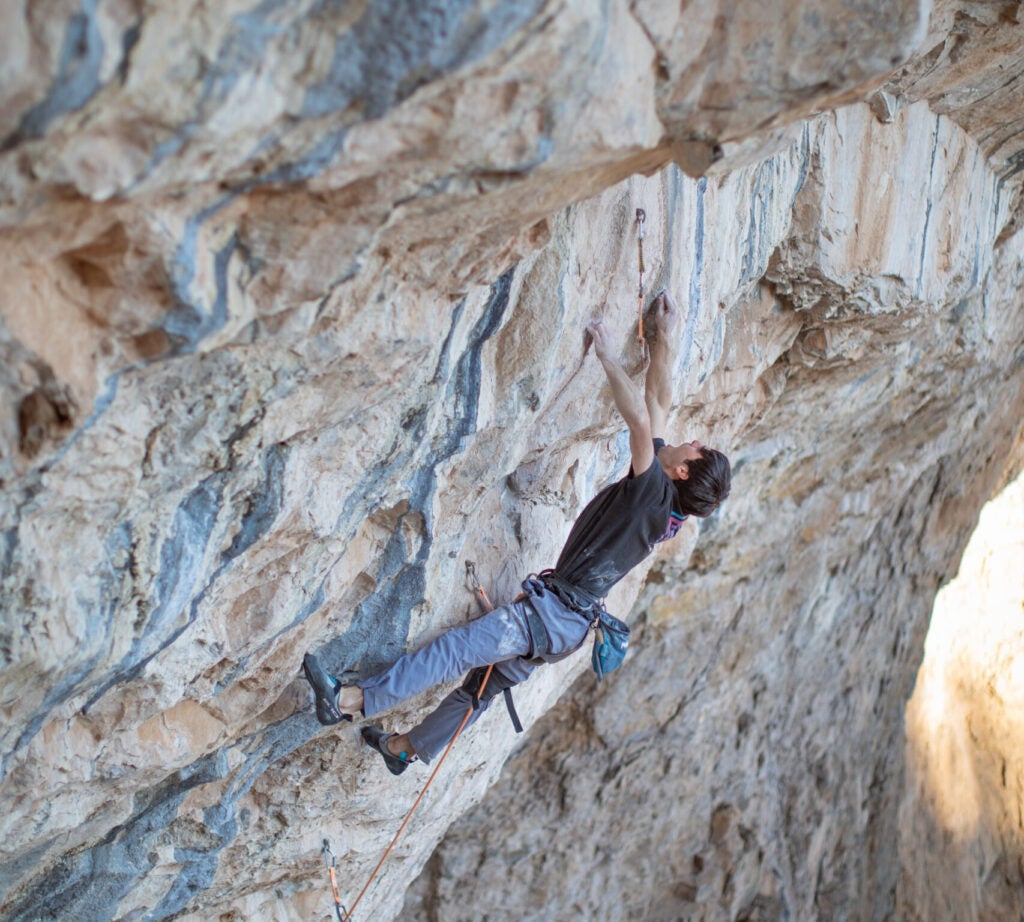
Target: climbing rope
x=477 y=589
x=641 y=216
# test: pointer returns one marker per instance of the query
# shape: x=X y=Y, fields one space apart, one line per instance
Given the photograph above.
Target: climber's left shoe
x=325 y=690
x=377 y=739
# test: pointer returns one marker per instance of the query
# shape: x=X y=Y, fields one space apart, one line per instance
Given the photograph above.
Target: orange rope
x=471 y=574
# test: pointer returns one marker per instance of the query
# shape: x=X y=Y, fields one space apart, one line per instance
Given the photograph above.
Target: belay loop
x=641 y=216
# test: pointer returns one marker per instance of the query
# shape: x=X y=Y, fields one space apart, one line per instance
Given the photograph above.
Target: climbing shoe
x=377 y=739
x=325 y=690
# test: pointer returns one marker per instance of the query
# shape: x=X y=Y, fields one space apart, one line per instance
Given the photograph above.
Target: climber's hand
x=602 y=341
x=666 y=313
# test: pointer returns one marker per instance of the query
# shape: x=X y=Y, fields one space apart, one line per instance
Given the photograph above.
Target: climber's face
x=675 y=459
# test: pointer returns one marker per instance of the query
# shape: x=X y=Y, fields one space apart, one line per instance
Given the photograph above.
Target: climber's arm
x=658 y=392
x=627 y=399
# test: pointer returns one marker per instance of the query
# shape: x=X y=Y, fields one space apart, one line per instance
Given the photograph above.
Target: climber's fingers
x=666 y=312
x=602 y=341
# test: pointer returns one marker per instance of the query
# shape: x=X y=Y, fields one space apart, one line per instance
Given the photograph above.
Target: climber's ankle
x=350 y=699
x=400 y=745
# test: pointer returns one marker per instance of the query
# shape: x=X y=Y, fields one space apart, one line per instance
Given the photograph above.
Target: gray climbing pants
x=502 y=636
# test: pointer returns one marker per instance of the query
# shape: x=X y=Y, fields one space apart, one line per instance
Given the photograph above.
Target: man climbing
x=616 y=530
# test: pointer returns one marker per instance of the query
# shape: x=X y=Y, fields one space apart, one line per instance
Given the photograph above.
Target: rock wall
x=964 y=733
x=292 y=328
x=749 y=764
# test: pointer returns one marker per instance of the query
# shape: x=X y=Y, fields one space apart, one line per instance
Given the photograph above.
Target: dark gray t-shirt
x=618 y=528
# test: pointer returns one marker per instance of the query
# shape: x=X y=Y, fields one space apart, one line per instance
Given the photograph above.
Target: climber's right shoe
x=325 y=691
x=377 y=739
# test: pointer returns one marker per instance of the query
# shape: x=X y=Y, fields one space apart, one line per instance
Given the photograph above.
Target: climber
x=616 y=530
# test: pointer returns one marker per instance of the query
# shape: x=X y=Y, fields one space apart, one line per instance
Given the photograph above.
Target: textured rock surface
x=749 y=763
x=291 y=329
x=965 y=733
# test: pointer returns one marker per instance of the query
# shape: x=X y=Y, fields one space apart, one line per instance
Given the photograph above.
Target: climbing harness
x=332 y=863
x=477 y=589
x=641 y=216
x=499 y=685
x=611 y=636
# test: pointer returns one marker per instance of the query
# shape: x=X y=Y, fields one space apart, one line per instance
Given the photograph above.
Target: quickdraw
x=475 y=587
x=332 y=864
x=641 y=216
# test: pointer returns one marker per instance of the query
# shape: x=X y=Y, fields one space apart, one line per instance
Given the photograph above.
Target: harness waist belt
x=572 y=596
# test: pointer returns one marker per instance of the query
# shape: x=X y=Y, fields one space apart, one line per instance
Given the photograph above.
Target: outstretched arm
x=627 y=400
x=658 y=393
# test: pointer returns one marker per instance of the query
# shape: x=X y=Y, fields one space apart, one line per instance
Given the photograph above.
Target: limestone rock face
x=965 y=738
x=749 y=762
x=292 y=329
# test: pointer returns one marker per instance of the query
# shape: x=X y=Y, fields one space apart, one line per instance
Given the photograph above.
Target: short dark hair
x=707 y=485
